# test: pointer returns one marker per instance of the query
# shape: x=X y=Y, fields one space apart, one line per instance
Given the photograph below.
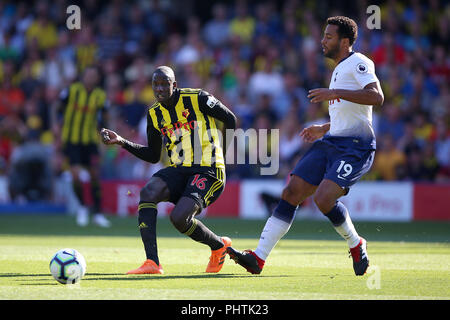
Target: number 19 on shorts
x=347 y=169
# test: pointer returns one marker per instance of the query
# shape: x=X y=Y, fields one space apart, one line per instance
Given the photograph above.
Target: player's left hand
x=321 y=94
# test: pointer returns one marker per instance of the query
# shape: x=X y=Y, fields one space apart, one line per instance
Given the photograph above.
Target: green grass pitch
x=408 y=261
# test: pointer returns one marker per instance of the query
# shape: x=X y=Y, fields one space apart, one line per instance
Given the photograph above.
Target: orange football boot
x=217 y=257
x=149 y=267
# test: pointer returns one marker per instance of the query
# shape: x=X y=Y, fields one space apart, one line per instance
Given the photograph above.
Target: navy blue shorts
x=343 y=160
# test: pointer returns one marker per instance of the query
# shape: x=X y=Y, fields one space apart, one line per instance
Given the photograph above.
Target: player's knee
x=183 y=213
x=148 y=194
x=180 y=221
x=287 y=193
x=324 y=202
x=291 y=195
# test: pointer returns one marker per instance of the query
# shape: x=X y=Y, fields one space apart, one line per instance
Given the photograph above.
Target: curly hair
x=347 y=27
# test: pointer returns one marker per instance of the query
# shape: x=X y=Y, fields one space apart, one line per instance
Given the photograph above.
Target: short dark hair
x=347 y=27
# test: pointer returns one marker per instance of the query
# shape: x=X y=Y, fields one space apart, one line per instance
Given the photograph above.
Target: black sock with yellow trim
x=147 y=228
x=200 y=233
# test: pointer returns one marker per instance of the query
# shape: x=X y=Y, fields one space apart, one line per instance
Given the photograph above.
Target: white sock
x=348 y=232
x=273 y=231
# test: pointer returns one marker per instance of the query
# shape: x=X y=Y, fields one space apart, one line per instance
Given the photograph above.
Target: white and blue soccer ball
x=68 y=266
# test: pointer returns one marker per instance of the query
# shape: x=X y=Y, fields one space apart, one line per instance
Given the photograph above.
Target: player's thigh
x=297 y=190
x=72 y=154
x=312 y=166
x=156 y=190
x=89 y=155
x=168 y=183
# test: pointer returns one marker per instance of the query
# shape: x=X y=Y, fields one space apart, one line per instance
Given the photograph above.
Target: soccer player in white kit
x=342 y=152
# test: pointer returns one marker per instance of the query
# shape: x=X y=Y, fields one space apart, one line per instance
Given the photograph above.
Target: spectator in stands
x=42 y=30
x=390 y=122
x=216 y=30
x=242 y=25
x=239 y=50
x=12 y=97
x=30 y=176
x=388 y=160
x=86 y=47
x=110 y=41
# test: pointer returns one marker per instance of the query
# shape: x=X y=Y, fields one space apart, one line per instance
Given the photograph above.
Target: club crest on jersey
x=185 y=113
x=362 y=68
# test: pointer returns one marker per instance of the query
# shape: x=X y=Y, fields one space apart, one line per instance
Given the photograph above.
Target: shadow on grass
x=170 y=277
x=18 y=275
x=122 y=277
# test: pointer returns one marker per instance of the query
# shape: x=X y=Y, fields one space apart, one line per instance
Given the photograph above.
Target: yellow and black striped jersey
x=81 y=114
x=188 y=130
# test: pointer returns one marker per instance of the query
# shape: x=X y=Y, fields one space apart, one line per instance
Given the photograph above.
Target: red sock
x=259 y=260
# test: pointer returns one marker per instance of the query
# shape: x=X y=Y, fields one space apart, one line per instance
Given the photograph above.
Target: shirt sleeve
x=364 y=73
x=210 y=105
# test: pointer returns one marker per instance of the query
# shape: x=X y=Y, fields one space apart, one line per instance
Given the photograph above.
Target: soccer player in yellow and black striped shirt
x=184 y=121
x=82 y=108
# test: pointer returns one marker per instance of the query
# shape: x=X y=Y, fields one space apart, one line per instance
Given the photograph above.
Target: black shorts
x=203 y=184
x=79 y=154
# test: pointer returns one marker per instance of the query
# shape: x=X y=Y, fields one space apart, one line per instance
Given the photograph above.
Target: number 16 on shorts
x=199 y=183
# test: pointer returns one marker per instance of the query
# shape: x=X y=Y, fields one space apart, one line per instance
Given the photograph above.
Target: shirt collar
x=351 y=53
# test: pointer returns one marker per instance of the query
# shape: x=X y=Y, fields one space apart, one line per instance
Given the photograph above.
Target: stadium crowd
x=259 y=58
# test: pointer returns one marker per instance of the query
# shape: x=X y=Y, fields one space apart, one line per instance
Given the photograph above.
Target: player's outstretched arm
x=151 y=153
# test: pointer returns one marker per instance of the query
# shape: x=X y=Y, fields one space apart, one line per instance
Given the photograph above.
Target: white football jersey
x=347 y=118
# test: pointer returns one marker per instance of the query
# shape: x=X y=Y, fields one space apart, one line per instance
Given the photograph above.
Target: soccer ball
x=68 y=266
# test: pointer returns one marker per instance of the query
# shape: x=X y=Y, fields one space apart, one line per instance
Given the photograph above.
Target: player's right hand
x=110 y=137
x=312 y=133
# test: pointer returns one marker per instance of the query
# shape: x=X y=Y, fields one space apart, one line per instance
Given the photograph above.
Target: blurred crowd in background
x=259 y=58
